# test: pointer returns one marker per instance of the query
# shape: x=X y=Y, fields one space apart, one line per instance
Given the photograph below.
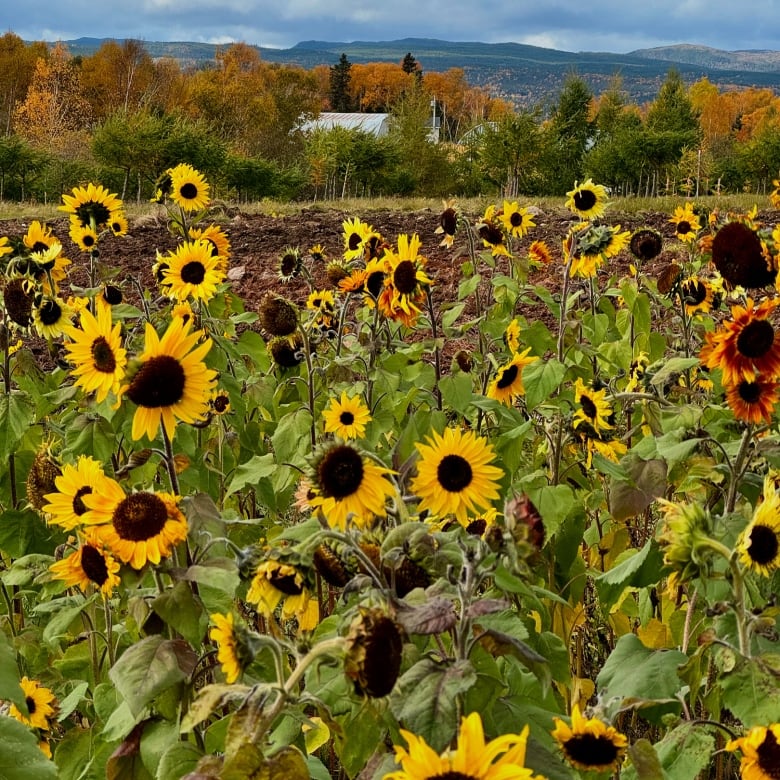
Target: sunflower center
x=221 y=404
x=139 y=517
x=159 y=382
x=588 y=407
x=585 y=200
x=88 y=239
x=749 y=392
x=340 y=472
x=39 y=246
x=87 y=211
x=756 y=339
x=103 y=356
x=516 y=219
x=454 y=473
x=188 y=191
x=477 y=527
x=405 y=277
x=354 y=240
x=591 y=750
x=451 y=776
x=30 y=702
x=508 y=376
x=763 y=545
x=769 y=755
x=695 y=292
x=79 y=507
x=374 y=283
x=112 y=295
x=94 y=564
x=683 y=227
x=491 y=234
x=193 y=272
x=449 y=221
x=285 y=582
x=50 y=312
x=346 y=418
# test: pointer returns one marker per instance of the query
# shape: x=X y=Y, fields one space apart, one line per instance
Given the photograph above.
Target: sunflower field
x=273 y=540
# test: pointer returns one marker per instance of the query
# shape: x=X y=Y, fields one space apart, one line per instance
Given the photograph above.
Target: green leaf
x=150 y=667
x=671 y=368
x=250 y=473
x=69 y=703
x=450 y=315
x=10 y=690
x=647 y=481
x=456 y=391
x=292 y=438
x=540 y=379
x=158 y=737
x=178 y=760
x=183 y=611
x=81 y=756
x=641 y=568
x=751 y=692
x=91 y=436
x=554 y=503
x=645 y=764
x=20 y=756
x=686 y=750
x=17 y=413
x=61 y=619
x=23 y=532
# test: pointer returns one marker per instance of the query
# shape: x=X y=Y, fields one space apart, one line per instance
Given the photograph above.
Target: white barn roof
x=376 y=124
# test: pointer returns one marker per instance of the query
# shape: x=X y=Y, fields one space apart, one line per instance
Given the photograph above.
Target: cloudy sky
x=571 y=25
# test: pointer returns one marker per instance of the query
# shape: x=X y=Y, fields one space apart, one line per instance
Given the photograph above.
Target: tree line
x=121 y=117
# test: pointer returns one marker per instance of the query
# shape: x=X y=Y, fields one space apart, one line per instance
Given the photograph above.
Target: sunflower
x=594 y=244
x=229 y=652
x=349 y=486
x=454 y=475
x=374 y=652
x=668 y=278
x=66 y=506
x=40 y=703
x=38 y=237
x=324 y=304
x=646 y=243
x=286 y=351
x=277 y=583
x=375 y=275
x=740 y=257
x=760 y=749
x=473 y=759
x=347 y=417
x=18 y=297
x=587 y=200
x=355 y=235
x=745 y=346
x=118 y=225
x=138 y=528
x=405 y=283
x=172 y=381
x=192 y=271
x=317 y=253
x=5 y=246
x=90 y=564
x=189 y=190
x=697 y=295
x=97 y=352
x=540 y=253
x=448 y=223
x=686 y=223
x=51 y=316
x=353 y=282
x=220 y=243
x=84 y=237
x=489 y=229
x=508 y=383
x=290 y=264
x=516 y=221
x=220 y=402
x=589 y=744
x=759 y=543
x=753 y=401
x=91 y=206
x=684 y=538
x=593 y=408
x=512 y=336
x=112 y=295
x=278 y=316
x=41 y=478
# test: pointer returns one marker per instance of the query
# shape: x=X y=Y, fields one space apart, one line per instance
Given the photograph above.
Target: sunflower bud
x=374 y=652
x=686 y=539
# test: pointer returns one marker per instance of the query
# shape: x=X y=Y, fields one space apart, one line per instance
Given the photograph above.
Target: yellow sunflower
x=348 y=486
x=220 y=402
x=517 y=221
x=172 y=382
x=219 y=240
x=539 y=252
x=489 y=229
x=502 y=758
x=593 y=409
x=5 y=246
x=405 y=282
x=40 y=703
x=686 y=222
x=83 y=236
x=278 y=583
x=189 y=190
x=51 y=316
x=454 y=475
x=355 y=236
x=38 y=237
x=118 y=224
x=324 y=304
x=759 y=544
x=228 y=651
x=589 y=744
x=192 y=271
x=760 y=749
x=697 y=295
x=508 y=383
x=512 y=336
x=753 y=401
x=347 y=417
x=448 y=223
x=90 y=565
x=587 y=200
x=91 y=206
x=97 y=352
x=317 y=253
x=138 y=528
x=67 y=506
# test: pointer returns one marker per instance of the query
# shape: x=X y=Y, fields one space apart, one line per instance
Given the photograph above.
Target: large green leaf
x=23 y=532
x=20 y=756
x=10 y=690
x=250 y=473
x=541 y=379
x=183 y=611
x=750 y=689
x=646 y=482
x=17 y=413
x=639 y=569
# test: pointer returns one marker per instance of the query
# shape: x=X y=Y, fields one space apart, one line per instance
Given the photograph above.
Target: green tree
x=340 y=99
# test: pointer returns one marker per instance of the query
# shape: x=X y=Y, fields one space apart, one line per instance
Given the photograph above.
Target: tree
x=17 y=65
x=340 y=97
x=377 y=86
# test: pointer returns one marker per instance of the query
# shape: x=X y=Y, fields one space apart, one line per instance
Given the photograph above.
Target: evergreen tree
x=410 y=65
x=340 y=99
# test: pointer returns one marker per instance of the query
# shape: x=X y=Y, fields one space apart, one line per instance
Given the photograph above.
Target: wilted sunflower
x=171 y=382
x=646 y=243
x=593 y=409
x=347 y=485
x=97 y=352
x=502 y=758
x=138 y=527
x=508 y=383
x=220 y=243
x=91 y=565
x=686 y=222
x=189 y=190
x=753 y=401
x=684 y=537
x=738 y=254
x=540 y=253
x=51 y=316
x=355 y=235
x=517 y=221
x=347 y=417
x=233 y=652
x=286 y=351
x=40 y=703
x=589 y=744
x=405 y=283
x=668 y=278
x=448 y=223
x=277 y=583
x=41 y=477
x=18 y=299
x=374 y=652
x=67 y=506
x=587 y=200
x=192 y=271
x=760 y=749
x=745 y=346
x=91 y=206
x=454 y=475
x=759 y=543
x=278 y=316
x=697 y=295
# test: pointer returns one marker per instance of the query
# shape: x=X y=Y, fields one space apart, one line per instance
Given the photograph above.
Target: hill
x=527 y=75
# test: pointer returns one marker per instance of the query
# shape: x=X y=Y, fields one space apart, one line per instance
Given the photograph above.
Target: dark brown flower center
x=683 y=227
x=285 y=582
x=749 y=392
x=354 y=241
x=695 y=292
x=94 y=564
x=508 y=376
x=591 y=750
x=646 y=244
x=39 y=246
x=88 y=239
x=92 y=209
x=79 y=507
x=374 y=282
x=405 y=277
x=516 y=219
x=756 y=339
x=491 y=234
x=449 y=221
x=768 y=753
x=193 y=272
x=289 y=265
x=585 y=200
x=763 y=545
x=451 y=775
x=30 y=702
x=159 y=382
x=346 y=418
x=278 y=316
x=340 y=472
x=103 y=356
x=50 y=312
x=454 y=473
x=188 y=191
x=383 y=646
x=221 y=404
x=139 y=517
x=588 y=407
x=112 y=295
x=477 y=527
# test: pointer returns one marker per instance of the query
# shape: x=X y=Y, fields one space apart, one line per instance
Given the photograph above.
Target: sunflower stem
x=436 y=350
x=170 y=463
x=738 y=469
x=109 y=632
x=738 y=588
x=309 y=384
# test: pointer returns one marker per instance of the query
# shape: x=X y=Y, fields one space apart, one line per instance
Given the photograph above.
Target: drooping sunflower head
x=18 y=297
x=684 y=536
x=112 y=294
x=587 y=200
x=235 y=649
x=739 y=256
x=646 y=244
x=593 y=409
x=189 y=189
x=286 y=351
x=589 y=744
x=463 y=360
x=337 y=271
x=334 y=561
x=41 y=479
x=760 y=749
x=759 y=544
x=374 y=652
x=540 y=253
x=347 y=416
x=41 y=705
x=91 y=206
x=290 y=264
x=278 y=316
x=668 y=278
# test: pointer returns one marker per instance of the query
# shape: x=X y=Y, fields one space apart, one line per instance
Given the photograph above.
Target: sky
x=617 y=26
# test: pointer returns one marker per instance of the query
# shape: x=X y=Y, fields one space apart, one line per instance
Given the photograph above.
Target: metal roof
x=376 y=124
